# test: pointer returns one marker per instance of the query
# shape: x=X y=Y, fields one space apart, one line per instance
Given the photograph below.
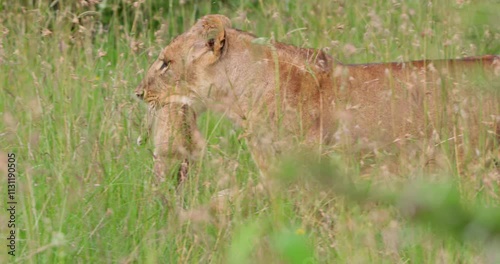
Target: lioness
x=274 y=90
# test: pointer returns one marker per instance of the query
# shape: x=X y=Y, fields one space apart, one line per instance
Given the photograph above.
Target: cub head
x=180 y=66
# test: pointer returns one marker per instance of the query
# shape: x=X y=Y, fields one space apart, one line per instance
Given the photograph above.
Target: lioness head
x=180 y=65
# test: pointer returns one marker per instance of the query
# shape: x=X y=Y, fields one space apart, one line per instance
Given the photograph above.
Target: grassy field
x=85 y=189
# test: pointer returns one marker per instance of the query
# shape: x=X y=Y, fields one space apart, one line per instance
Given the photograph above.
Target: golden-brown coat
x=274 y=90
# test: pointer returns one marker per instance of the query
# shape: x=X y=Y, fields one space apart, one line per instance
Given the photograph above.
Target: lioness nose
x=139 y=93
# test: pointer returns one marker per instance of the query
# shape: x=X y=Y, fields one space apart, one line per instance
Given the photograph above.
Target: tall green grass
x=86 y=189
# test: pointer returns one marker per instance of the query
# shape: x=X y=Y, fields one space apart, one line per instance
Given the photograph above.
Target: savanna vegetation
x=85 y=187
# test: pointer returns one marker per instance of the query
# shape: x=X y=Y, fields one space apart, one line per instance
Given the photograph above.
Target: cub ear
x=213 y=29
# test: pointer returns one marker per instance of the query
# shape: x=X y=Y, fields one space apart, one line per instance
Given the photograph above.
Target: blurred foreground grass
x=68 y=70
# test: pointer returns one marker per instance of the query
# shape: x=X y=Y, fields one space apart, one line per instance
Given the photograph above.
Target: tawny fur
x=273 y=88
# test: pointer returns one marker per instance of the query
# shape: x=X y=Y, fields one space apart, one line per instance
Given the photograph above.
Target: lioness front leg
x=176 y=140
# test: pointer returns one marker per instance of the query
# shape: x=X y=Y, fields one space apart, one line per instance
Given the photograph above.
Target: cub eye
x=165 y=65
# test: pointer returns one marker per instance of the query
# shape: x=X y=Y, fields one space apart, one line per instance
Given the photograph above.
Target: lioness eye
x=164 y=65
x=211 y=43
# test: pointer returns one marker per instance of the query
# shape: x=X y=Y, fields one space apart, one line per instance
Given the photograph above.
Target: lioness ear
x=213 y=29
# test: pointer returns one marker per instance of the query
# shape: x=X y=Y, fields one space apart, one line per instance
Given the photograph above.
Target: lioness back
x=412 y=99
